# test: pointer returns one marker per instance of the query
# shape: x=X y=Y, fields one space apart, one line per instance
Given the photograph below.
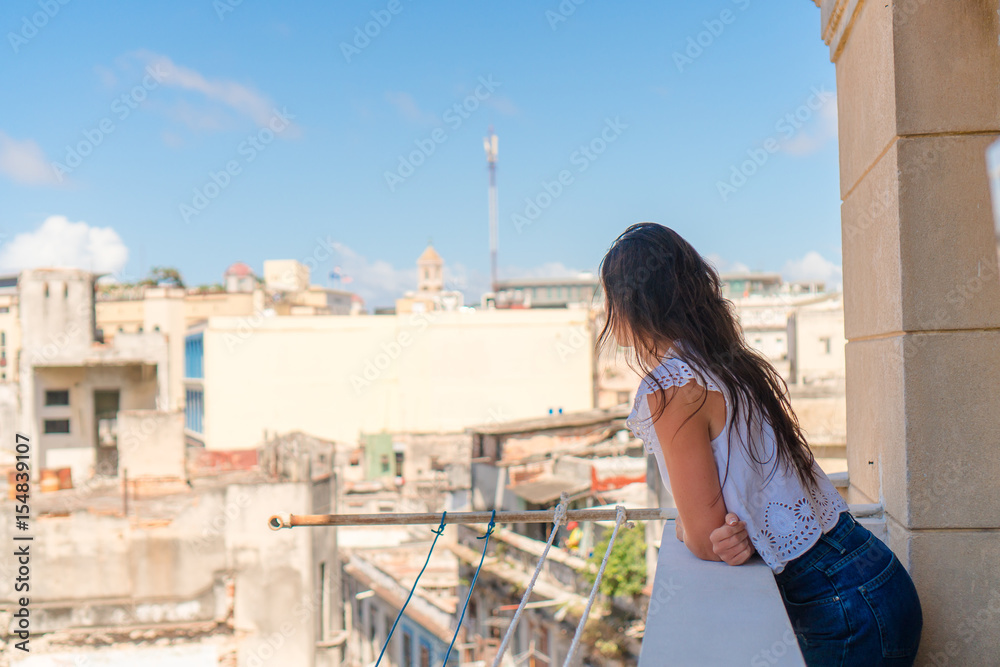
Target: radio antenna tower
x=490 y=144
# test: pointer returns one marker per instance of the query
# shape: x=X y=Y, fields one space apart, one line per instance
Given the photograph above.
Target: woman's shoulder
x=675 y=372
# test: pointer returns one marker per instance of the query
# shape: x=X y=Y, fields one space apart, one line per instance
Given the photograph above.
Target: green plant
x=625 y=574
x=159 y=274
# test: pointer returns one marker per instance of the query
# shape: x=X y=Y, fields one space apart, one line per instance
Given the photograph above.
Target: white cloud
x=810 y=267
x=813 y=267
x=546 y=270
x=24 y=162
x=725 y=266
x=57 y=242
x=816 y=133
x=378 y=282
x=238 y=97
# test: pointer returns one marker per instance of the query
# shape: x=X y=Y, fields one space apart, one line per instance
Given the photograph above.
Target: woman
x=717 y=418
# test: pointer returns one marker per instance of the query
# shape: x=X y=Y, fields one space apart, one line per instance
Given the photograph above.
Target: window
x=46 y=289
x=3 y=337
x=825 y=342
x=194 y=356
x=4 y=309
x=194 y=410
x=57 y=397
x=66 y=291
x=56 y=426
x=385 y=464
x=407 y=649
x=425 y=655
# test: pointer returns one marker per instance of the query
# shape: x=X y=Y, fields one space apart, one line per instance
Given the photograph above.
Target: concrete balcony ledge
x=706 y=613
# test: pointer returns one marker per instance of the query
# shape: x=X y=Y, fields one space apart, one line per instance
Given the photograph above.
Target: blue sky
x=644 y=108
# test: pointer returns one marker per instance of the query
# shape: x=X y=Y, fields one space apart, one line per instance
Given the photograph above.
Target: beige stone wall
x=218 y=304
x=151 y=444
x=336 y=377
x=918 y=104
x=123 y=315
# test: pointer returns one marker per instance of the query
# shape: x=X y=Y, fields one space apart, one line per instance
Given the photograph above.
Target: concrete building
x=71 y=385
x=431 y=293
x=10 y=329
x=340 y=377
x=239 y=278
x=186 y=577
x=582 y=291
x=376 y=585
x=527 y=465
x=285 y=290
x=816 y=343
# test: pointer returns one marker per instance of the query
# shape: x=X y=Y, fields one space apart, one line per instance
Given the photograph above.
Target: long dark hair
x=659 y=290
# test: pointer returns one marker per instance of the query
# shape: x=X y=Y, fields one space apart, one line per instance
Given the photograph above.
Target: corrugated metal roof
x=546 y=489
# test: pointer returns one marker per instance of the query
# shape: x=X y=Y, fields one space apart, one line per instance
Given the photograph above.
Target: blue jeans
x=851 y=602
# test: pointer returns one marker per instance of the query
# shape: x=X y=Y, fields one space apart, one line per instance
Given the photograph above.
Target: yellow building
x=339 y=377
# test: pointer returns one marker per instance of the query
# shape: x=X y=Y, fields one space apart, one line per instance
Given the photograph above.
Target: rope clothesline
x=472 y=586
x=437 y=534
x=560 y=514
x=593 y=592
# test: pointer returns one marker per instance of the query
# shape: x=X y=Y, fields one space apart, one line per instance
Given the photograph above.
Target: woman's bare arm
x=683 y=433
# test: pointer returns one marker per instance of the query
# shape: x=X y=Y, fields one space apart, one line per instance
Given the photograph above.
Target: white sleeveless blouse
x=783 y=517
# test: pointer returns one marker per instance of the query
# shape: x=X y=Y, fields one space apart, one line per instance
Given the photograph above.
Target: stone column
x=918 y=85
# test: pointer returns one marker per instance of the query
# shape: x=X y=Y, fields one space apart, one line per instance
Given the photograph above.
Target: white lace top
x=783 y=517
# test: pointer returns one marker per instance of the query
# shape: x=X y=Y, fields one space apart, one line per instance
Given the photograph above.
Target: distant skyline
x=201 y=133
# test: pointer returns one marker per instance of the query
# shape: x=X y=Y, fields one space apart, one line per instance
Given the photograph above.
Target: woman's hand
x=730 y=541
